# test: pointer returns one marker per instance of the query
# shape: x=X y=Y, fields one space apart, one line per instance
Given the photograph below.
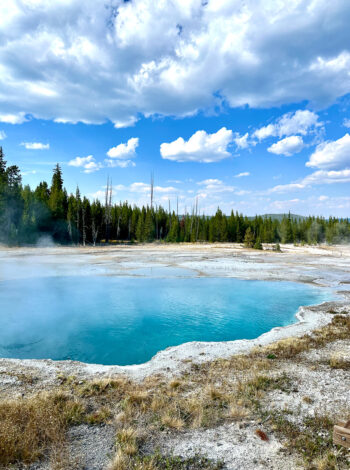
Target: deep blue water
x=114 y=320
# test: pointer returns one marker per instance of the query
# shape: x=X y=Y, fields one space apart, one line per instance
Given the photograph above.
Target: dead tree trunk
x=108 y=208
x=83 y=223
x=94 y=230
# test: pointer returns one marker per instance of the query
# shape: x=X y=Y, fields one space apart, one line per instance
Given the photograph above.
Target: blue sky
x=238 y=104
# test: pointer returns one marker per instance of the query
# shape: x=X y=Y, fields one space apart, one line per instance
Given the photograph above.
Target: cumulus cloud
x=242 y=141
x=210 y=181
x=299 y=122
x=139 y=193
x=119 y=163
x=35 y=145
x=323 y=205
x=287 y=146
x=244 y=173
x=126 y=122
x=346 y=123
x=56 y=54
x=200 y=147
x=88 y=164
x=119 y=156
x=316 y=178
x=124 y=151
x=212 y=187
x=2 y=135
x=266 y=131
x=333 y=154
x=140 y=187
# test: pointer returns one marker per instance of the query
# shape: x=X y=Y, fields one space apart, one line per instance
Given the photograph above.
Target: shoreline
x=176 y=359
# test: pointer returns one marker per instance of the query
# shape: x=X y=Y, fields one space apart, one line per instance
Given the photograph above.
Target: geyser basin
x=115 y=320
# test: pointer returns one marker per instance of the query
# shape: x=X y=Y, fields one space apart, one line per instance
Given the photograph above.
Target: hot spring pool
x=116 y=320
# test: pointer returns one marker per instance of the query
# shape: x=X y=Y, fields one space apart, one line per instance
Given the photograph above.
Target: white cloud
x=57 y=54
x=282 y=188
x=119 y=163
x=140 y=187
x=100 y=194
x=266 y=131
x=285 y=205
x=87 y=163
x=124 y=151
x=242 y=192
x=332 y=154
x=242 y=140
x=2 y=135
x=17 y=118
x=139 y=193
x=200 y=147
x=210 y=181
x=346 y=122
x=324 y=205
x=127 y=122
x=316 y=178
x=119 y=156
x=35 y=145
x=244 y=173
x=213 y=186
x=287 y=146
x=175 y=181
x=299 y=122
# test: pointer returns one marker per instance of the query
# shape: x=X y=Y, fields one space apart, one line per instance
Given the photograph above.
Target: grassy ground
x=223 y=390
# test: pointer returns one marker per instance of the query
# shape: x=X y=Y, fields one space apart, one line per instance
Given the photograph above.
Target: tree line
x=26 y=215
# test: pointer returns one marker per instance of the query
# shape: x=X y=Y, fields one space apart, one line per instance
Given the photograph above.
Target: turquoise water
x=114 y=320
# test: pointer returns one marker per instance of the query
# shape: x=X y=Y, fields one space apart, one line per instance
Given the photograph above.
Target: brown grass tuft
x=173 y=422
x=338 y=362
x=31 y=427
x=127 y=439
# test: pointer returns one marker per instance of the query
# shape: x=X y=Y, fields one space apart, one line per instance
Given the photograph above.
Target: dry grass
x=313 y=442
x=174 y=422
x=128 y=441
x=339 y=328
x=119 y=462
x=339 y=362
x=159 y=462
x=30 y=428
x=238 y=411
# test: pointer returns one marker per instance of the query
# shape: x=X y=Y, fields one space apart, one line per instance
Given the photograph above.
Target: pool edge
x=174 y=359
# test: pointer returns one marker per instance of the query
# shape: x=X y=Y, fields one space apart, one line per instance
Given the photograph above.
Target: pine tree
x=148 y=234
x=249 y=238
x=258 y=244
x=56 y=200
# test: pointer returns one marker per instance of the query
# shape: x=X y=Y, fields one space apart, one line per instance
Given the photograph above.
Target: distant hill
x=279 y=217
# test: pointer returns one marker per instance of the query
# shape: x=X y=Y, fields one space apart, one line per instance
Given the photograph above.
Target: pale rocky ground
x=327 y=390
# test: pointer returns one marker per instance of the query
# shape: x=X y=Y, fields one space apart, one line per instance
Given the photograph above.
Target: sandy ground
x=327 y=390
